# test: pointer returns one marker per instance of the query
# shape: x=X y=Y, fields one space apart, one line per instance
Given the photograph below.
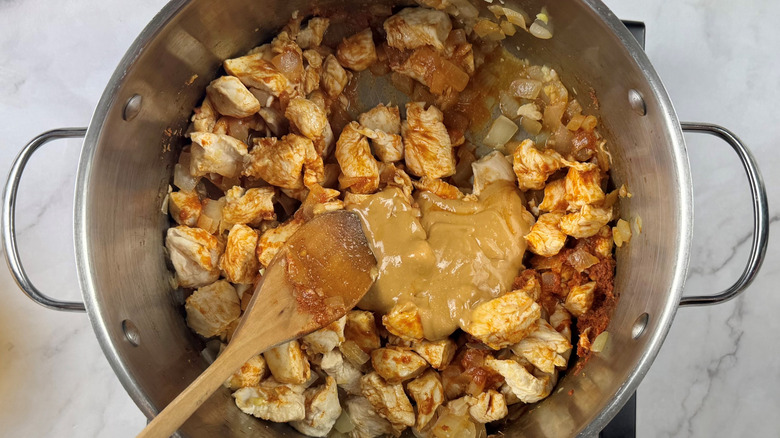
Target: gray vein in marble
x=699 y=270
x=713 y=371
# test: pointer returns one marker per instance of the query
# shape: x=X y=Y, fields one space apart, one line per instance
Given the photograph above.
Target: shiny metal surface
x=8 y=225
x=760 y=216
x=126 y=166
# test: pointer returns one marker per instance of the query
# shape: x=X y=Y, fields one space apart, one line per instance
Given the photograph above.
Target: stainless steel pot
x=130 y=147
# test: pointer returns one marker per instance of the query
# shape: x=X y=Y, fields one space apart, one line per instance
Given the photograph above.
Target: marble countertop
x=718 y=373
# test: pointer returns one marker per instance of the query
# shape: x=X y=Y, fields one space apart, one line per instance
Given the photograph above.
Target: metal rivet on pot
x=132 y=107
x=131 y=332
x=640 y=325
x=637 y=102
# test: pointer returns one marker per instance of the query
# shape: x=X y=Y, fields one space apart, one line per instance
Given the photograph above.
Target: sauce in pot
x=445 y=256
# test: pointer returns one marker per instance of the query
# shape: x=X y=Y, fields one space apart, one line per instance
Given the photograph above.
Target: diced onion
x=211 y=215
x=561 y=140
x=518 y=18
x=458 y=406
x=581 y=259
x=464 y=9
x=498 y=11
x=621 y=233
x=526 y=88
x=502 y=130
x=530 y=110
x=344 y=423
x=531 y=126
x=600 y=342
x=541 y=30
x=549 y=280
x=623 y=192
x=182 y=178
x=508 y=104
x=488 y=30
x=353 y=353
x=552 y=115
x=452 y=425
x=638 y=224
x=590 y=122
x=575 y=122
x=507 y=27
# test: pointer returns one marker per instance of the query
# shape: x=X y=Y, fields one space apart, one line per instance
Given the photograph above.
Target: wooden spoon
x=323 y=270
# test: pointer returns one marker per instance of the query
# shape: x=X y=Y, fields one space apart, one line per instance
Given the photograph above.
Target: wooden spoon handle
x=186 y=403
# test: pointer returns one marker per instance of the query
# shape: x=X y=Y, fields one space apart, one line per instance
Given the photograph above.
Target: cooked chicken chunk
x=560 y=320
x=311 y=35
x=382 y=124
x=438 y=187
x=428 y=395
x=215 y=153
x=544 y=347
x=490 y=168
x=272 y=240
x=319 y=200
x=358 y=51
x=533 y=166
x=361 y=329
x=255 y=71
x=274 y=119
x=438 y=354
x=185 y=207
x=240 y=128
x=488 y=406
x=345 y=374
x=204 y=117
x=312 y=73
x=326 y=338
x=238 y=263
x=388 y=400
x=545 y=238
x=367 y=422
x=427 y=148
x=583 y=187
x=273 y=402
x=322 y=410
x=392 y=176
x=603 y=241
x=505 y=320
x=527 y=387
x=397 y=364
x=334 y=78
x=554 y=196
x=359 y=169
x=288 y=363
x=404 y=321
x=212 y=308
x=250 y=374
x=280 y=162
x=580 y=299
x=586 y=222
x=248 y=206
x=310 y=121
x=194 y=254
x=231 y=98
x=416 y=27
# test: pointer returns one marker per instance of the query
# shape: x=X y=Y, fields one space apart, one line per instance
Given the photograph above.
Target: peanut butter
x=445 y=256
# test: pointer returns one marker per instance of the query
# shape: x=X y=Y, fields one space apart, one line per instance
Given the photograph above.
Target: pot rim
x=684 y=192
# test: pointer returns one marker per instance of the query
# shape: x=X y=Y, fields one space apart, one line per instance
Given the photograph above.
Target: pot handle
x=760 y=215
x=9 y=220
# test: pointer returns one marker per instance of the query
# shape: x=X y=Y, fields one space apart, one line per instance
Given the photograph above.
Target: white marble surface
x=718 y=374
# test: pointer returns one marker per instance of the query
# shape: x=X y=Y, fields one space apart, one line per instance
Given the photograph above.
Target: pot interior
x=127 y=165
